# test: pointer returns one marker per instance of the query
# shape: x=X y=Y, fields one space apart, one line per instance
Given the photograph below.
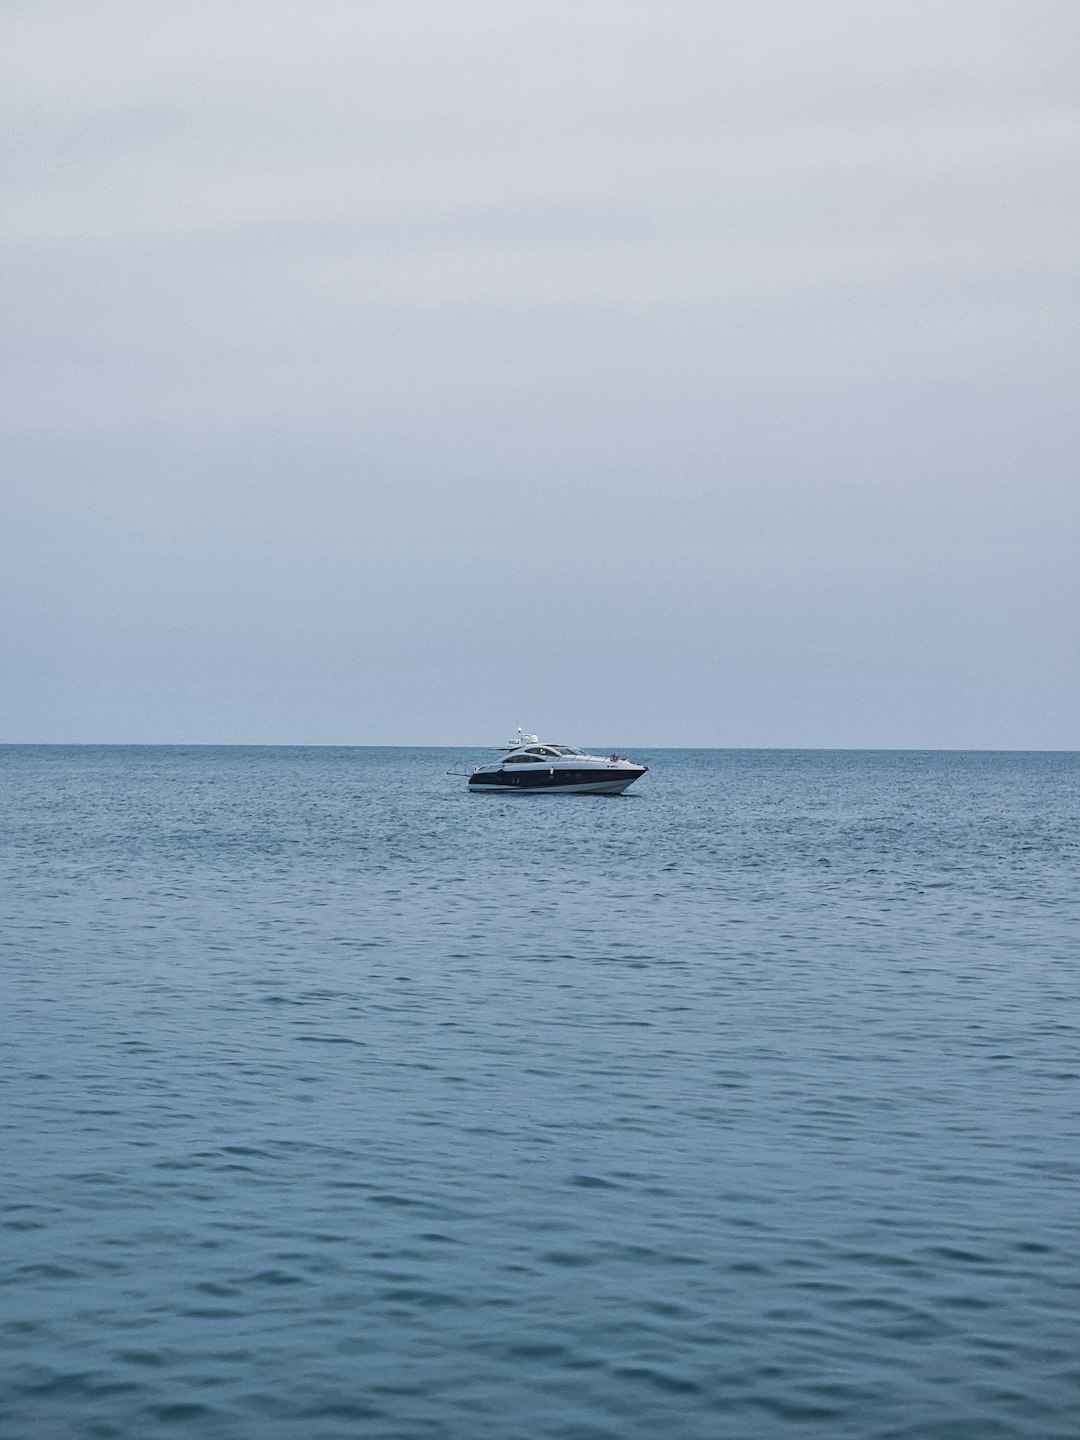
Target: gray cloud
x=620 y=312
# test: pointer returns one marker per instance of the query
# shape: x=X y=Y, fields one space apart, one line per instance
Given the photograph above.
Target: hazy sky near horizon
x=638 y=371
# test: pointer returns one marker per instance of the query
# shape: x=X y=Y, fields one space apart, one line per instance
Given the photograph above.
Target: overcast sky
x=639 y=371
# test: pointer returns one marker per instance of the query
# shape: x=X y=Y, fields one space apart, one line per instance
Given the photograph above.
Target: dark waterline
x=339 y=1102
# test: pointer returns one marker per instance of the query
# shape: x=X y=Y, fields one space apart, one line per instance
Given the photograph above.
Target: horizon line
x=416 y=745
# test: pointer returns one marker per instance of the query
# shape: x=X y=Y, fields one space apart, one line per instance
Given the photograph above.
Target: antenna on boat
x=523 y=739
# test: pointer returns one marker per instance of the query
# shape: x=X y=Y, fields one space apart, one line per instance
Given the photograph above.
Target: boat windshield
x=546 y=752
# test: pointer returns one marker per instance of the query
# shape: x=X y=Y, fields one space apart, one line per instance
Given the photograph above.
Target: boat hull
x=567 y=782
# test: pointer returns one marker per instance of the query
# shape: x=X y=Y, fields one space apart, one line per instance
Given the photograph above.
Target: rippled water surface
x=337 y=1102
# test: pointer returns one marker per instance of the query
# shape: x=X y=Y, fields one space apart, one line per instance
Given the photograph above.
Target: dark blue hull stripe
x=545 y=780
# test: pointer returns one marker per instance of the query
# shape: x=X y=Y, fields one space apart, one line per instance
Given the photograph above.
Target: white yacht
x=530 y=764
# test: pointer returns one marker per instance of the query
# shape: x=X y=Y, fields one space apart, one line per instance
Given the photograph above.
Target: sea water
x=339 y=1102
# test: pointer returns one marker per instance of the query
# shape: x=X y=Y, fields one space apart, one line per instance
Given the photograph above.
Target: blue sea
x=338 y=1102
